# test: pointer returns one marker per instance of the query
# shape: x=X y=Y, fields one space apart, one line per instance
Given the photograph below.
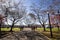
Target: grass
x=5 y=29
x=16 y=29
x=56 y=33
x=8 y=29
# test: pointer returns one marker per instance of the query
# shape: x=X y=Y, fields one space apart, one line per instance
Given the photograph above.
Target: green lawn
x=56 y=33
x=8 y=29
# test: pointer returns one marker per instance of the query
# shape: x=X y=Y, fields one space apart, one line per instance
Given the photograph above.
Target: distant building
x=54 y=19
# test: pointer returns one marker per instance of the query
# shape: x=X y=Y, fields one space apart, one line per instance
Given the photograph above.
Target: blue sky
x=43 y=3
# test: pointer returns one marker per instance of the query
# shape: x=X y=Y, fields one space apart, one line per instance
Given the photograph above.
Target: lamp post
x=58 y=19
x=50 y=25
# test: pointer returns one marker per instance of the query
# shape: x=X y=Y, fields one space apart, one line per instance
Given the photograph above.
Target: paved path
x=27 y=29
x=25 y=35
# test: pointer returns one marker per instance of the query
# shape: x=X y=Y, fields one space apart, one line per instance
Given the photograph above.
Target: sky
x=43 y=3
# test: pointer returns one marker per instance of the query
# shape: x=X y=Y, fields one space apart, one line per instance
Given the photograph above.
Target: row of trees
x=15 y=11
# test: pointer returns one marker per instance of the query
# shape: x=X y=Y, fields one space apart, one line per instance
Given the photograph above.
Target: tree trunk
x=44 y=27
x=12 y=27
x=50 y=26
x=0 y=30
x=21 y=28
x=0 y=27
x=33 y=28
x=58 y=28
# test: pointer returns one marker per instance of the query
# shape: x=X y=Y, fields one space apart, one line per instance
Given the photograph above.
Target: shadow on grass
x=4 y=34
x=56 y=35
